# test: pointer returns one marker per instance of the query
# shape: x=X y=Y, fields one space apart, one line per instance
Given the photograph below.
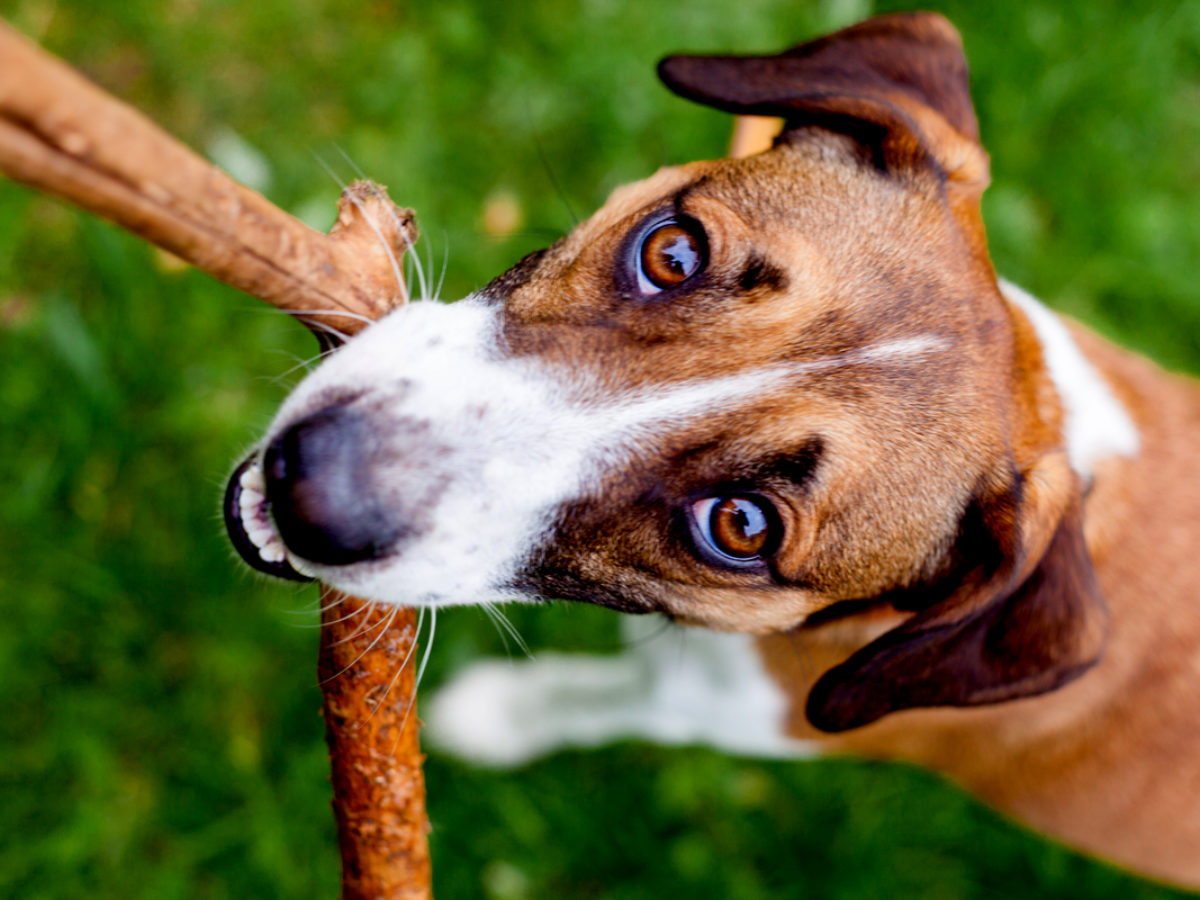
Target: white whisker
x=342 y=313
x=364 y=628
x=350 y=161
x=428 y=648
x=399 y=671
x=506 y=629
x=437 y=291
x=412 y=259
x=279 y=379
x=371 y=223
x=420 y=669
x=386 y=624
x=489 y=611
x=429 y=264
x=387 y=247
x=344 y=618
x=322 y=326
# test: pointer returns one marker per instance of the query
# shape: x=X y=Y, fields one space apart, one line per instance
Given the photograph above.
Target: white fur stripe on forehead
x=1097 y=425
x=690 y=399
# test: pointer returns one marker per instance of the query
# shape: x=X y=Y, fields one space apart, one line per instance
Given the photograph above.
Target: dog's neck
x=1096 y=425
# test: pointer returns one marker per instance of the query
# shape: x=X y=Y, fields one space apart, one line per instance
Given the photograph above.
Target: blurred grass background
x=159 y=734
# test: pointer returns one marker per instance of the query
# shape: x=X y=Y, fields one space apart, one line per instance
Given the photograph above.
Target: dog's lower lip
x=239 y=533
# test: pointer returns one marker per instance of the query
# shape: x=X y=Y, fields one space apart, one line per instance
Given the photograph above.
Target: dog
x=785 y=397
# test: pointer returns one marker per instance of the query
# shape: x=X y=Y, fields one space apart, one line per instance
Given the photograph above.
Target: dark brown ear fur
x=896 y=83
x=1014 y=635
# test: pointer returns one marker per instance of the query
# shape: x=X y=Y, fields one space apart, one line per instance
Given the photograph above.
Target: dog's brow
x=796 y=466
x=680 y=197
x=760 y=272
x=627 y=415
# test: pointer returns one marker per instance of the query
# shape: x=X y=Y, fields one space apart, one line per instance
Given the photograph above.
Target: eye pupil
x=670 y=255
x=735 y=530
x=739 y=527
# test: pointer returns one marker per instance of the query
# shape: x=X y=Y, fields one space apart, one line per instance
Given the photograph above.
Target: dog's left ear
x=1026 y=619
x=897 y=84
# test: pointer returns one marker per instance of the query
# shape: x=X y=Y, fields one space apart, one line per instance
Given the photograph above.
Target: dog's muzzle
x=308 y=498
x=424 y=463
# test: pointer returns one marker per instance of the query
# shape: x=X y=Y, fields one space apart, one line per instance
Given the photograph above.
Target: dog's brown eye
x=737 y=529
x=670 y=255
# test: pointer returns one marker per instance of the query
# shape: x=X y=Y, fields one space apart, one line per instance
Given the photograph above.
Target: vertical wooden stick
x=371 y=728
x=61 y=134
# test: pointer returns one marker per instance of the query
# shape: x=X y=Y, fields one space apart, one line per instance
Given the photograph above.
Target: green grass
x=159 y=735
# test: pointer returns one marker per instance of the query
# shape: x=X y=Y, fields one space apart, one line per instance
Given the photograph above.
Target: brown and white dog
x=785 y=397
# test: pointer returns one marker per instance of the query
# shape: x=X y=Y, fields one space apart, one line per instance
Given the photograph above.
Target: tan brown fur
x=1109 y=762
x=842 y=293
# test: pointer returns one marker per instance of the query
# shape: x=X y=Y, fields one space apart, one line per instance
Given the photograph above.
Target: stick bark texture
x=371 y=727
x=63 y=135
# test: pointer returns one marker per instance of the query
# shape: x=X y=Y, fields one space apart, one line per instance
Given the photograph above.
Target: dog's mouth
x=248 y=521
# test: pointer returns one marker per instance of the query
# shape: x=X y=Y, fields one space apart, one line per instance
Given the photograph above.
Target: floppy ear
x=1033 y=624
x=897 y=84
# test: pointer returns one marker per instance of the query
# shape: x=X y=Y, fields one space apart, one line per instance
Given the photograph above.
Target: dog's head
x=742 y=393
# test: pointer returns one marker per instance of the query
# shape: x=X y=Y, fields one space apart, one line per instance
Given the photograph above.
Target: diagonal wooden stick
x=63 y=135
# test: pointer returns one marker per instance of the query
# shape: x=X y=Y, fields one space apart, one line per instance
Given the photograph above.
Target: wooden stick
x=371 y=728
x=63 y=135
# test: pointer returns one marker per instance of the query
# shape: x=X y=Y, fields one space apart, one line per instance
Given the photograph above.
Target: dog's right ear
x=897 y=84
x=1027 y=621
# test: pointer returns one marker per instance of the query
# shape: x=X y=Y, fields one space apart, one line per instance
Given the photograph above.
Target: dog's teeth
x=261 y=535
x=252 y=480
x=252 y=515
x=272 y=552
x=255 y=522
x=249 y=505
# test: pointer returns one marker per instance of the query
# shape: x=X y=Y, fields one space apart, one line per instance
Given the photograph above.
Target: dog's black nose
x=319 y=490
